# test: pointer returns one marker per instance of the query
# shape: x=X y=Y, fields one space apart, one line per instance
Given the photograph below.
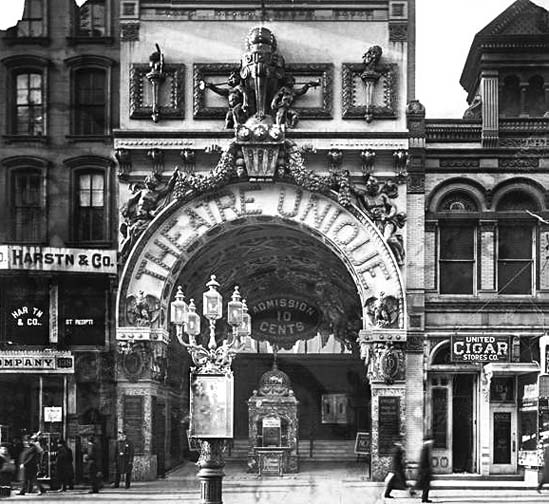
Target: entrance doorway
x=503 y=439
x=453 y=421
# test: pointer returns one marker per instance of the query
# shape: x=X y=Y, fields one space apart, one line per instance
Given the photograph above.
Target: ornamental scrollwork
x=385 y=363
x=143 y=310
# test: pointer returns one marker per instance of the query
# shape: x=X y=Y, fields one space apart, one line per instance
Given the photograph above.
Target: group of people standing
x=396 y=478
x=29 y=459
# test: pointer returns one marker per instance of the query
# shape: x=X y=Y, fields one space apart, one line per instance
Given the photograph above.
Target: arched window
x=457 y=243
x=510 y=96
x=515 y=248
x=535 y=97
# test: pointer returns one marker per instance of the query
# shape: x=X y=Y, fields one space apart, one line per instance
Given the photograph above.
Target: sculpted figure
x=284 y=99
x=382 y=311
x=474 y=111
x=147 y=198
x=235 y=94
x=371 y=58
x=156 y=64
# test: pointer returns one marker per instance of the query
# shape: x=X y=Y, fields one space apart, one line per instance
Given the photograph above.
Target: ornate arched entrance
x=253 y=233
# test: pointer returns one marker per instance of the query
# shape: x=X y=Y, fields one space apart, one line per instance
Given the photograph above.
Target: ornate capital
x=124 y=158
x=385 y=362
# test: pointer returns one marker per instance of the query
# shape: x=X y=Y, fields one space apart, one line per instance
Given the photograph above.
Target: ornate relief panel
x=354 y=94
x=171 y=99
x=316 y=104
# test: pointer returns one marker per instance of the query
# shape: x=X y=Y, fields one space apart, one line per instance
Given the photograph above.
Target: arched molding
x=25 y=162
x=439 y=347
x=89 y=162
x=185 y=226
x=459 y=184
x=528 y=186
x=29 y=61
x=89 y=61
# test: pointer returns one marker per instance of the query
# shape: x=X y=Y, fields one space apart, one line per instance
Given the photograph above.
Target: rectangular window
x=457 y=258
x=90 y=106
x=515 y=259
x=90 y=210
x=91 y=19
x=32 y=24
x=29 y=110
x=27 y=206
x=440 y=417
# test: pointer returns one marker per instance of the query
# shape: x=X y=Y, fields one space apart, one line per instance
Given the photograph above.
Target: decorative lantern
x=192 y=327
x=245 y=327
x=179 y=311
x=212 y=301
x=234 y=309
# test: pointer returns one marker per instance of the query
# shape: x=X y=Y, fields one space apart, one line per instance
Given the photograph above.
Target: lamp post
x=213 y=362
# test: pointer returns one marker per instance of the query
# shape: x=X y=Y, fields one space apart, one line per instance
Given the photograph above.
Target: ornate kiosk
x=273 y=424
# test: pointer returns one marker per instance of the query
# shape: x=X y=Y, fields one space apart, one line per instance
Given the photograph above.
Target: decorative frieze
x=518 y=162
x=415 y=183
x=398 y=32
x=129 y=32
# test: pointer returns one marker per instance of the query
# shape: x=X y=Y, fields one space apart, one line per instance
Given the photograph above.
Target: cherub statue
x=474 y=111
x=237 y=113
x=156 y=64
x=382 y=311
x=147 y=199
x=284 y=98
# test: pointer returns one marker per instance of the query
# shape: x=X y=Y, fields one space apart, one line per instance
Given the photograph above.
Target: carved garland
x=174 y=109
x=352 y=111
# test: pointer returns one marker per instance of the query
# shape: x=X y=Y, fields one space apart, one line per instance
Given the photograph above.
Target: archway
x=277 y=241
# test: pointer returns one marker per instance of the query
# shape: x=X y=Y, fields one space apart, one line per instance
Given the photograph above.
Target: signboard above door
x=480 y=348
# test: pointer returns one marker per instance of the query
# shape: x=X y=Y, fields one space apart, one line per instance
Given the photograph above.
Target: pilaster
x=490 y=107
x=487 y=255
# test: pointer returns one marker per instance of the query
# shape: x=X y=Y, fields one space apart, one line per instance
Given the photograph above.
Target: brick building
x=59 y=102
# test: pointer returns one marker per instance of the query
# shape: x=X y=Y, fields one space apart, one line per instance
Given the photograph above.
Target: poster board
x=388 y=423
x=363 y=443
x=211 y=407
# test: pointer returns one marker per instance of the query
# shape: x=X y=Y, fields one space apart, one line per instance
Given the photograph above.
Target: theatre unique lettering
x=480 y=348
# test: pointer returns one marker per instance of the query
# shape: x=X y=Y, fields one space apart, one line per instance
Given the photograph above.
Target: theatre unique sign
x=37 y=362
x=480 y=348
x=15 y=257
x=284 y=320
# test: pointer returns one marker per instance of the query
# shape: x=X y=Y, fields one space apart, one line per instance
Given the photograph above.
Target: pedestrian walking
x=124 y=459
x=7 y=468
x=29 y=463
x=545 y=473
x=92 y=460
x=396 y=478
x=425 y=470
x=63 y=463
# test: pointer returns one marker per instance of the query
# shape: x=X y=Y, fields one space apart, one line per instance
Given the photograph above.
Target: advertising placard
x=480 y=348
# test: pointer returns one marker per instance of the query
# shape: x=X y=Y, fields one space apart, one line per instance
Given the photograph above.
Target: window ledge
x=89 y=138
x=90 y=40
x=25 y=138
x=14 y=40
x=100 y=245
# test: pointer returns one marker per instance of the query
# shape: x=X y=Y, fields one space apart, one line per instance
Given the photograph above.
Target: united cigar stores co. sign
x=284 y=319
x=480 y=348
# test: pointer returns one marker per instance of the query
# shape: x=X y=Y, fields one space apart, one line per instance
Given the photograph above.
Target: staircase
x=320 y=450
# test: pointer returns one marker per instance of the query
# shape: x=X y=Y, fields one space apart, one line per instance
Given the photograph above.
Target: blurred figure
x=65 y=471
x=545 y=473
x=92 y=460
x=425 y=470
x=124 y=459
x=7 y=469
x=29 y=463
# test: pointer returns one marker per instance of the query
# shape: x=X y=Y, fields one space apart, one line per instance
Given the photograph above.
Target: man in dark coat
x=92 y=459
x=545 y=473
x=63 y=461
x=425 y=470
x=29 y=461
x=398 y=479
x=124 y=459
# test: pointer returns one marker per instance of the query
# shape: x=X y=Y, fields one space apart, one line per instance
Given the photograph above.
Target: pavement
x=318 y=483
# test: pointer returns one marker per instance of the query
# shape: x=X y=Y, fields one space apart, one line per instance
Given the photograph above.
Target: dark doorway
x=462 y=444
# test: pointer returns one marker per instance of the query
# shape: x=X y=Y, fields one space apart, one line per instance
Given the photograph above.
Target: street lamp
x=211 y=362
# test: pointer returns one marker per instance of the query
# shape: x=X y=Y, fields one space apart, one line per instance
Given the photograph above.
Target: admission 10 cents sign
x=480 y=348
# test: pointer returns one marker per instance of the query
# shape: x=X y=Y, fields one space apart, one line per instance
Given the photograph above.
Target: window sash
x=516 y=259
x=92 y=19
x=32 y=23
x=29 y=108
x=90 y=207
x=457 y=267
x=27 y=207
x=90 y=102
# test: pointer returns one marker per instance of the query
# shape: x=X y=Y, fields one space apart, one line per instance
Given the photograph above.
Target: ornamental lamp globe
x=234 y=309
x=179 y=311
x=212 y=301
x=193 y=322
x=245 y=328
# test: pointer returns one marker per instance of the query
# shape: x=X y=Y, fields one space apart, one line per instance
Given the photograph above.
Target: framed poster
x=363 y=443
x=211 y=406
x=389 y=423
x=194 y=444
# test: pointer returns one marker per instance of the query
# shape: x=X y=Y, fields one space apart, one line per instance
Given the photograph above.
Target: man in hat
x=92 y=459
x=124 y=459
x=29 y=463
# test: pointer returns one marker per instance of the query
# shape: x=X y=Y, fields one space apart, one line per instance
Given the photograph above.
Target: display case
x=273 y=426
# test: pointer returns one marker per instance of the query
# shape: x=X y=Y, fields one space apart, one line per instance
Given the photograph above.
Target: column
x=484 y=422
x=543 y=255
x=523 y=92
x=430 y=251
x=490 y=107
x=487 y=260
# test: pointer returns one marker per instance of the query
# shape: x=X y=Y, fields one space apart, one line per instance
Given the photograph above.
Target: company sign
x=14 y=257
x=480 y=348
x=36 y=362
x=284 y=320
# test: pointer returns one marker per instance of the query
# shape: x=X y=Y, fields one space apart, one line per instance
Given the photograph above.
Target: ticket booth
x=273 y=426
